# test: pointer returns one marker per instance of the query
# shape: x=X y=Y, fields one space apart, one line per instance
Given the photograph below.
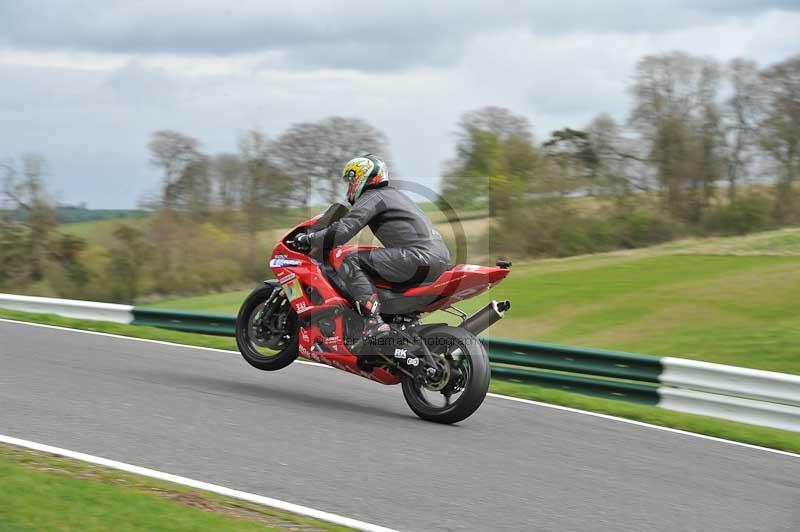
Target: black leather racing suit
x=413 y=253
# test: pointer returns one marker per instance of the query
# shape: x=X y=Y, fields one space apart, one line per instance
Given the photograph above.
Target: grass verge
x=767 y=437
x=47 y=492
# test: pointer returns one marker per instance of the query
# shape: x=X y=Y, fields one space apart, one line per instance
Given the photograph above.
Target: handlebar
x=297 y=247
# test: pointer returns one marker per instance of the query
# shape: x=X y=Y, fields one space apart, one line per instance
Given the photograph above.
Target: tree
x=499 y=120
x=26 y=192
x=574 y=154
x=494 y=158
x=610 y=155
x=264 y=185
x=14 y=260
x=313 y=154
x=129 y=257
x=779 y=131
x=175 y=154
x=227 y=172
x=298 y=153
x=193 y=188
x=741 y=116
x=676 y=115
x=710 y=139
x=65 y=251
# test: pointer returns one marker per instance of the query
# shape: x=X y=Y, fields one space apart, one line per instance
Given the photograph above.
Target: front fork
x=262 y=320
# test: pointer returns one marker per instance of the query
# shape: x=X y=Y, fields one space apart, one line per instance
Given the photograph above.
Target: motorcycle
x=444 y=370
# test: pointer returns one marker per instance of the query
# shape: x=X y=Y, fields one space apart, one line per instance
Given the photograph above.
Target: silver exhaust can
x=486 y=317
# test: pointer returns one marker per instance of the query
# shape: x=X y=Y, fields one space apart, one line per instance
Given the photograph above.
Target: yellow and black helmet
x=363 y=173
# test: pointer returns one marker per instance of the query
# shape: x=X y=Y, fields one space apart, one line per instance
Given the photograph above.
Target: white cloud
x=89 y=95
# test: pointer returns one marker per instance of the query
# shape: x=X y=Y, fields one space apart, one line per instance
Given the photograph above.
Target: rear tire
x=281 y=345
x=470 y=365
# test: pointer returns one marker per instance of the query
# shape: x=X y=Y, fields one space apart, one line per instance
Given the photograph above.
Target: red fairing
x=462 y=282
x=296 y=279
x=307 y=272
x=338 y=356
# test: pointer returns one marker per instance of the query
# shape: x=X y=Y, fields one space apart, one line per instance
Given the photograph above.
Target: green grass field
x=43 y=492
x=727 y=300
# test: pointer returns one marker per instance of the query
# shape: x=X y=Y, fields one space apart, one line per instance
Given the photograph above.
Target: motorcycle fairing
x=332 y=351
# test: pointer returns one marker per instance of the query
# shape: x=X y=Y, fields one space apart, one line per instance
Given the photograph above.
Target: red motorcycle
x=444 y=370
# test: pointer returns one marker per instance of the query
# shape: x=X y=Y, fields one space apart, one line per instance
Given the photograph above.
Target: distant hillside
x=70 y=214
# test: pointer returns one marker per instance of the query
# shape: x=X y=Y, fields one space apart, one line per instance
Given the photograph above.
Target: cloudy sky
x=85 y=83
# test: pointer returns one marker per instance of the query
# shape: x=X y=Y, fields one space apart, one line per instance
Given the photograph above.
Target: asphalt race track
x=325 y=439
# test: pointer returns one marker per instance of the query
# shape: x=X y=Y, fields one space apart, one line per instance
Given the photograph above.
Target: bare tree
x=710 y=138
x=227 y=172
x=25 y=190
x=298 y=152
x=8 y=168
x=676 y=116
x=780 y=130
x=264 y=186
x=741 y=116
x=173 y=152
x=313 y=153
x=193 y=188
x=607 y=144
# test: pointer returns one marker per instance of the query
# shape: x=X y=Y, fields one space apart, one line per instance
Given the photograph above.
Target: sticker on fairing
x=293 y=290
x=280 y=263
x=286 y=278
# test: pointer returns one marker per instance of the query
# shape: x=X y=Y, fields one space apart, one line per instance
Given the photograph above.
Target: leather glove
x=301 y=242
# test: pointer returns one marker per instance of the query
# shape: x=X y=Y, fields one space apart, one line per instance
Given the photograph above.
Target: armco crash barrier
x=741 y=394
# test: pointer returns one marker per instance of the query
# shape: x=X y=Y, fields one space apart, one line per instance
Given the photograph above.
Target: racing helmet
x=363 y=173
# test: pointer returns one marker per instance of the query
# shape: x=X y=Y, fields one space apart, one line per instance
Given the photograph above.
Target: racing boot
x=374 y=326
x=375 y=329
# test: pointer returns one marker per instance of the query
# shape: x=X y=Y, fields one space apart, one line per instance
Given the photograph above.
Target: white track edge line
x=198 y=484
x=494 y=395
x=642 y=424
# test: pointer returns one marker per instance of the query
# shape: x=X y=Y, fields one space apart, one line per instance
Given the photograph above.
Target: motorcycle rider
x=413 y=251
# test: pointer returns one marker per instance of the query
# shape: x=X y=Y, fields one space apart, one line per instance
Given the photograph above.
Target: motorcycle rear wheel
x=469 y=375
x=270 y=343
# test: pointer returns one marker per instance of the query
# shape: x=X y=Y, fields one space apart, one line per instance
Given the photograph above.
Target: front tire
x=266 y=329
x=468 y=378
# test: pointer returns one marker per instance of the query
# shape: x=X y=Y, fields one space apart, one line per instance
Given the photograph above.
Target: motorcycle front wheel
x=464 y=381
x=266 y=329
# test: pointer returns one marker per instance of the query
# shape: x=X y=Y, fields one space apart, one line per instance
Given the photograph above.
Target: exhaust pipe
x=486 y=317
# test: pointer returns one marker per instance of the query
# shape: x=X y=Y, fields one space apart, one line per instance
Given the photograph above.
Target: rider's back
x=399 y=223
